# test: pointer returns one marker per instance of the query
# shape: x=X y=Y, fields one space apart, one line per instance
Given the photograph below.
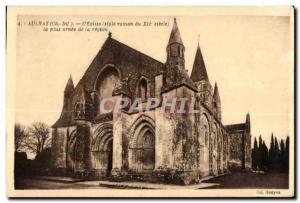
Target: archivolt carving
x=142 y=124
x=104 y=133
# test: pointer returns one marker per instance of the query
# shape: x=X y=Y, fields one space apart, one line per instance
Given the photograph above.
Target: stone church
x=149 y=145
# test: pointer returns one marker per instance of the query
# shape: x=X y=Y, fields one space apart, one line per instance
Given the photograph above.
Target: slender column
x=117 y=141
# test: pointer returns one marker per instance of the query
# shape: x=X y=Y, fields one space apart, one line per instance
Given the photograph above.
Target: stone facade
x=156 y=146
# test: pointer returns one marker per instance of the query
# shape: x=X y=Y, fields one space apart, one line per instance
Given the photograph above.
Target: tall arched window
x=215 y=136
x=105 y=84
x=143 y=89
x=206 y=135
x=204 y=130
x=109 y=78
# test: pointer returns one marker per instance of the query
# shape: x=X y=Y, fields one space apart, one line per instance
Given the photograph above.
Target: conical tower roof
x=248 y=118
x=199 y=70
x=248 y=123
x=70 y=86
x=175 y=34
x=216 y=92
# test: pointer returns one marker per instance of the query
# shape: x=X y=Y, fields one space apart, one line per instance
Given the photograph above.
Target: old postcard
x=150 y=102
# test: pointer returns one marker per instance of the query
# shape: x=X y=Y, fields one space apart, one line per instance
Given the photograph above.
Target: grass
x=249 y=180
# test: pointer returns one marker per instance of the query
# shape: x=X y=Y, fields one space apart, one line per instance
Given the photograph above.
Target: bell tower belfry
x=175 y=48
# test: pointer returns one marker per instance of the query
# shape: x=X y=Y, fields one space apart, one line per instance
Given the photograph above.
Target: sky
x=250 y=58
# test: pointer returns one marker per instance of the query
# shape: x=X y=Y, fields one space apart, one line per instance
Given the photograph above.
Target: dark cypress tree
x=265 y=157
x=254 y=155
x=281 y=156
x=271 y=153
x=287 y=154
x=276 y=165
x=260 y=153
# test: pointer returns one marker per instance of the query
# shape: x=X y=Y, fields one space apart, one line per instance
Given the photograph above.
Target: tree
x=271 y=153
x=254 y=155
x=265 y=157
x=274 y=159
x=260 y=153
x=276 y=165
x=42 y=159
x=281 y=155
x=287 y=154
x=20 y=136
x=38 y=138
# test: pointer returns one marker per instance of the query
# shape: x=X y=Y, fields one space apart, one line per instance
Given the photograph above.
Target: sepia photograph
x=150 y=102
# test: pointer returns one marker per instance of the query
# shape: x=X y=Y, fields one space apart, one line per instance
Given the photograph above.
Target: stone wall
x=235 y=150
x=125 y=128
x=240 y=150
x=58 y=150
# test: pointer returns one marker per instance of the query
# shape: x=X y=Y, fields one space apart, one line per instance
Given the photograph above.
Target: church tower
x=67 y=107
x=248 y=125
x=175 y=74
x=200 y=78
x=69 y=89
x=175 y=48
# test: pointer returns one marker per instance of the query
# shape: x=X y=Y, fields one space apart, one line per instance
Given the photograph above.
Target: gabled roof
x=112 y=52
x=199 y=70
x=236 y=127
x=127 y=59
x=118 y=47
x=175 y=34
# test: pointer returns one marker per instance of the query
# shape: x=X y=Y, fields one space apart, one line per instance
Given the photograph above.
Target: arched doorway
x=102 y=151
x=109 y=157
x=141 y=154
x=145 y=152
